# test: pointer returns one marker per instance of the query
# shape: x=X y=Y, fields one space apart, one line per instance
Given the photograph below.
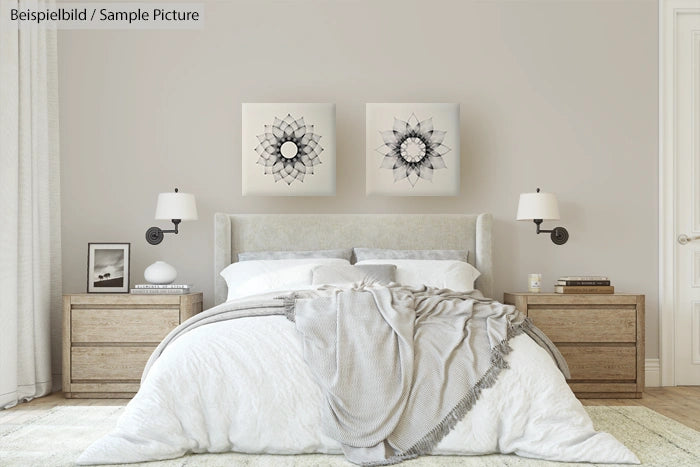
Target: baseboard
x=652 y=373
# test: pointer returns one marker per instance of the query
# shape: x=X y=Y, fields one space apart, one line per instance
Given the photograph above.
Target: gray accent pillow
x=346 y=274
x=362 y=254
x=345 y=254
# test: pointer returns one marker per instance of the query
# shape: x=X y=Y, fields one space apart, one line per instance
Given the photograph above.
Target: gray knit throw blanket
x=400 y=367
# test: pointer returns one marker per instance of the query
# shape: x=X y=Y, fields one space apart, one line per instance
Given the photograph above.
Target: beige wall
x=556 y=94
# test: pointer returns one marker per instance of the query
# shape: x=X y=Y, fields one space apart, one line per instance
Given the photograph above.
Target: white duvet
x=242 y=385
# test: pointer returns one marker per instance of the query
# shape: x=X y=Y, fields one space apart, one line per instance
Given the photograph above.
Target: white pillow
x=344 y=275
x=443 y=274
x=261 y=276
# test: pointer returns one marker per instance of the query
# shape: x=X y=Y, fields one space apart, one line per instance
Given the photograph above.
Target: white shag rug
x=55 y=437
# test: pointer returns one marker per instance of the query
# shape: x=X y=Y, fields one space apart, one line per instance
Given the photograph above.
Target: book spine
x=583 y=278
x=583 y=289
x=159 y=291
x=583 y=282
x=162 y=286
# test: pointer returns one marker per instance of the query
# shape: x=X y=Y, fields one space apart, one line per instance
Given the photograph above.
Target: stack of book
x=161 y=289
x=584 y=284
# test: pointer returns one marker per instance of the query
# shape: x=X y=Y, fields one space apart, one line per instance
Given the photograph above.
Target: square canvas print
x=108 y=267
x=412 y=149
x=288 y=149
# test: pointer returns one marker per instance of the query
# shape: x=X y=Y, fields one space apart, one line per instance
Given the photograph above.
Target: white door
x=687 y=197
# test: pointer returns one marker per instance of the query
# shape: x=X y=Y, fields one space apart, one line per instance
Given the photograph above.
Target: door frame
x=669 y=10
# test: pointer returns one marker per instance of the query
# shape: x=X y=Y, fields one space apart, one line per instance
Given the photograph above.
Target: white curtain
x=30 y=257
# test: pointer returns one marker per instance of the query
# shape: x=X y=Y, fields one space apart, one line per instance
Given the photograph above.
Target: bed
x=243 y=376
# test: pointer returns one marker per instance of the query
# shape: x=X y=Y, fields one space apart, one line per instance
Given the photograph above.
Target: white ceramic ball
x=160 y=272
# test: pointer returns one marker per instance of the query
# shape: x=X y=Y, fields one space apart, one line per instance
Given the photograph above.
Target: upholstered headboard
x=234 y=233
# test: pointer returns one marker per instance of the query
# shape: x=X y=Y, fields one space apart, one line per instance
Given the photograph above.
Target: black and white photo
x=108 y=267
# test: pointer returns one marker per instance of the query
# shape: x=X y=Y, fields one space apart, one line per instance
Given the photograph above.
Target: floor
x=680 y=403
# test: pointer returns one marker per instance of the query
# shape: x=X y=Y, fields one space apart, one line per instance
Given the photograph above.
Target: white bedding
x=242 y=385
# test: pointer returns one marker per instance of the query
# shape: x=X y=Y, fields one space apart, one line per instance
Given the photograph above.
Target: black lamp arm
x=176 y=222
x=155 y=235
x=559 y=235
x=539 y=230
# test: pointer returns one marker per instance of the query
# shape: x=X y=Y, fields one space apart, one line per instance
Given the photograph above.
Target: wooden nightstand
x=107 y=339
x=600 y=336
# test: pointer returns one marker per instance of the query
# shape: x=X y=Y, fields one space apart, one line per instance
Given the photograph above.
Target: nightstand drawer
x=586 y=325
x=109 y=363
x=600 y=362
x=122 y=325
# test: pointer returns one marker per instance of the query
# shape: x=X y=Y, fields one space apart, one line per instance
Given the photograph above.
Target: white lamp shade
x=176 y=206
x=538 y=206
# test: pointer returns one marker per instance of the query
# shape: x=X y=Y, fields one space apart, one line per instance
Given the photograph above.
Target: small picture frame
x=108 y=267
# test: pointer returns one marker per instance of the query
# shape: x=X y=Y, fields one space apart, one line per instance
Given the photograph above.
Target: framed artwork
x=412 y=149
x=108 y=267
x=288 y=149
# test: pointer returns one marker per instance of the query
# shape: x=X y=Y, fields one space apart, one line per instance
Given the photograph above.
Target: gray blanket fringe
x=433 y=437
x=498 y=363
x=289 y=301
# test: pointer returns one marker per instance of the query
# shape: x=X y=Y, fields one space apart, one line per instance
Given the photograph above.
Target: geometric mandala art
x=413 y=149
x=288 y=149
x=414 y=156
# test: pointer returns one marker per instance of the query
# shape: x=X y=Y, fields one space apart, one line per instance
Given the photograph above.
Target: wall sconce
x=174 y=206
x=538 y=207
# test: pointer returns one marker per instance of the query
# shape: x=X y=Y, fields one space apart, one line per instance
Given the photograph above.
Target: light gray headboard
x=235 y=233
